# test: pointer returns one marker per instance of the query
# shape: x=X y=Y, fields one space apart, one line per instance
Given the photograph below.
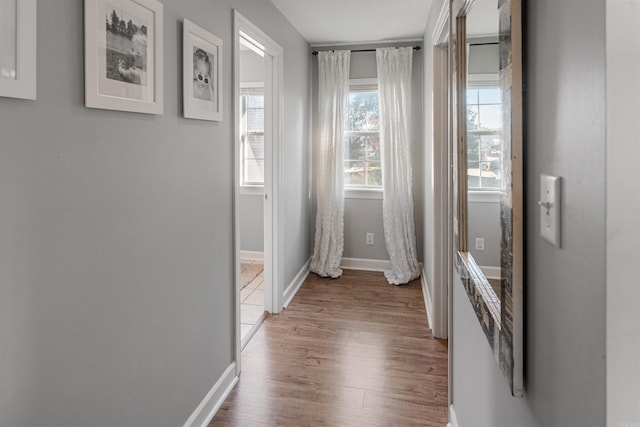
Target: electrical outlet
x=369 y=238
x=480 y=243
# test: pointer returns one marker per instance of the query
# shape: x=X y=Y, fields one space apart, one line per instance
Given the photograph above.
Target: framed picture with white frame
x=202 y=73
x=124 y=55
x=18 y=48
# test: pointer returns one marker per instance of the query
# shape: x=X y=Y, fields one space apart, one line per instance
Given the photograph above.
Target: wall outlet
x=480 y=243
x=369 y=238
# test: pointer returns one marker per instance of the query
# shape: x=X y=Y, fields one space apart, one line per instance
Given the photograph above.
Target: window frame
x=362 y=191
x=248 y=89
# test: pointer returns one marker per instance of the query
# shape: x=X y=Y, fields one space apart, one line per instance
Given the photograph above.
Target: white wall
x=564 y=287
x=623 y=213
x=116 y=232
x=362 y=216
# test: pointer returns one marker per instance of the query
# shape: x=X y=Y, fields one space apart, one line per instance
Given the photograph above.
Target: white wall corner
x=214 y=399
x=296 y=283
x=365 y=264
x=251 y=256
x=453 y=421
x=426 y=293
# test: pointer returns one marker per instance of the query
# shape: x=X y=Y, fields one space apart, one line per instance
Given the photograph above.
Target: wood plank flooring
x=353 y=351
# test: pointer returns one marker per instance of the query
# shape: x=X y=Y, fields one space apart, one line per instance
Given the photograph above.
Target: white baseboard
x=214 y=399
x=295 y=284
x=251 y=256
x=365 y=264
x=426 y=293
x=491 y=272
x=453 y=421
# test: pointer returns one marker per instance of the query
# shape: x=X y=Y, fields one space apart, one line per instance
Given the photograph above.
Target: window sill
x=363 y=193
x=479 y=196
x=252 y=190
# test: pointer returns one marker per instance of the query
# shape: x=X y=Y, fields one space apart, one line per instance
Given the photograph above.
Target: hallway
x=351 y=351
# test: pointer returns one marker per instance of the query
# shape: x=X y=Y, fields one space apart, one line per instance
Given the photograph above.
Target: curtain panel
x=333 y=93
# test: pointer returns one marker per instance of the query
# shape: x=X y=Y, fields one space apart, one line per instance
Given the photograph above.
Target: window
x=484 y=145
x=252 y=137
x=362 y=166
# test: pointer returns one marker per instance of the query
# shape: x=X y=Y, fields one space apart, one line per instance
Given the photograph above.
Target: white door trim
x=274 y=238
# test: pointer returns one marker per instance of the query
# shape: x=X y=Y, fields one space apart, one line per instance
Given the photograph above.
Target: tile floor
x=251 y=295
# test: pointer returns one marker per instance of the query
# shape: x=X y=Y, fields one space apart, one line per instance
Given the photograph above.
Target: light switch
x=550 y=208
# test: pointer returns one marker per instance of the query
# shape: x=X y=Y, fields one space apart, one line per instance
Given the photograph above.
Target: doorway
x=258 y=70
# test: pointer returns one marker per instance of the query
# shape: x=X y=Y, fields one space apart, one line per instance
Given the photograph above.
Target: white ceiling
x=483 y=20
x=327 y=22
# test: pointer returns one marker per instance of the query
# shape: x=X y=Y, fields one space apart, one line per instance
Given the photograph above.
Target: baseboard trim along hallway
x=365 y=264
x=214 y=399
x=453 y=421
x=295 y=284
x=428 y=305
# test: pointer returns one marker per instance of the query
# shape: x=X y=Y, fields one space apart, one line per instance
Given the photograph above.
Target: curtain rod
x=315 y=52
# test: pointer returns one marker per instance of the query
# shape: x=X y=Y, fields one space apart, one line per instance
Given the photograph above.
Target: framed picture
x=202 y=73
x=18 y=47
x=123 y=55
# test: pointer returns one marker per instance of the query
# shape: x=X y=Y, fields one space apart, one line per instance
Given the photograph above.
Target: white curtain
x=333 y=92
x=394 y=81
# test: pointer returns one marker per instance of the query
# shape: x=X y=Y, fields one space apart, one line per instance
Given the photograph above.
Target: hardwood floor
x=354 y=351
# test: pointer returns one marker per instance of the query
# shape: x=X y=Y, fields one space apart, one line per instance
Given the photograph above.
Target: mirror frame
x=501 y=318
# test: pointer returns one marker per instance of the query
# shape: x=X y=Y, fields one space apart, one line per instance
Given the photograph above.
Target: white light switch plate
x=550 y=208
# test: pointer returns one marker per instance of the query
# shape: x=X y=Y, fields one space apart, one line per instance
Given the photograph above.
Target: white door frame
x=443 y=165
x=273 y=229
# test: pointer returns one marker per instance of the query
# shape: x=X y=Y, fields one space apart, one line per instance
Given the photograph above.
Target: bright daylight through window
x=484 y=147
x=252 y=137
x=362 y=166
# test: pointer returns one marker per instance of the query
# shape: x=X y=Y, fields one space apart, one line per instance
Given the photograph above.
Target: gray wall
x=623 y=211
x=116 y=304
x=363 y=216
x=564 y=288
x=484 y=221
x=251 y=209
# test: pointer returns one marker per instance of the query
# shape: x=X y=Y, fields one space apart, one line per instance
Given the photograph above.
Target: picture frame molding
x=189 y=110
x=93 y=99
x=25 y=84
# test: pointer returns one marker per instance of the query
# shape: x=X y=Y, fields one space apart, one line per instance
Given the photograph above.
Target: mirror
x=487 y=137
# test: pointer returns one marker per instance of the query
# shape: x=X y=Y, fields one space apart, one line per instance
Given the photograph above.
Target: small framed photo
x=202 y=73
x=18 y=48
x=123 y=55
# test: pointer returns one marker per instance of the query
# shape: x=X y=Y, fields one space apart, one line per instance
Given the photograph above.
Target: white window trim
x=367 y=193
x=484 y=196
x=252 y=190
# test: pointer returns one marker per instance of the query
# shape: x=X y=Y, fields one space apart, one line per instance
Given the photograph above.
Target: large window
x=252 y=136
x=484 y=146
x=362 y=166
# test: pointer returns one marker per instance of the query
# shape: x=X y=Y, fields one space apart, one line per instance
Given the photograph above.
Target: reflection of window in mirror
x=484 y=118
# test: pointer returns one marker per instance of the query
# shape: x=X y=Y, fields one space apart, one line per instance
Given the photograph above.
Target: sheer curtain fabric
x=394 y=82
x=333 y=92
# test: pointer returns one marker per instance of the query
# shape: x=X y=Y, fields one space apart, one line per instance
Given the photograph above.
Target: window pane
x=472 y=117
x=472 y=96
x=355 y=148
x=254 y=148
x=355 y=173
x=364 y=112
x=373 y=147
x=374 y=173
x=489 y=96
x=253 y=171
x=490 y=116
